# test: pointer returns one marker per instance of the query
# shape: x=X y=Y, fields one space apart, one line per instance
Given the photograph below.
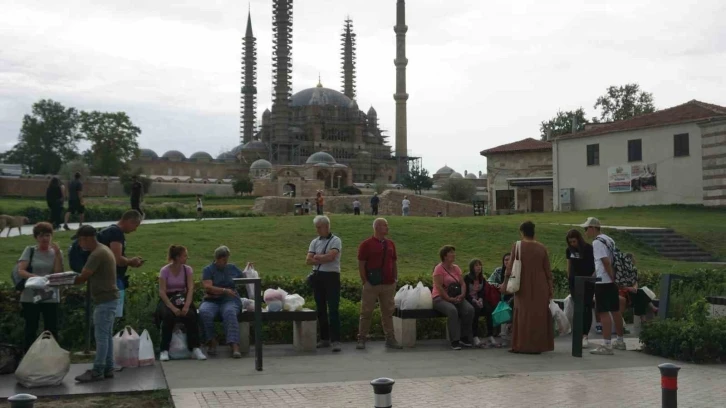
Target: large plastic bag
x=178 y=348
x=146 y=350
x=563 y=325
x=425 y=300
x=274 y=306
x=274 y=294
x=37 y=282
x=412 y=298
x=248 y=305
x=128 y=348
x=648 y=292
x=400 y=295
x=570 y=309
x=502 y=314
x=293 y=302
x=45 y=364
x=250 y=272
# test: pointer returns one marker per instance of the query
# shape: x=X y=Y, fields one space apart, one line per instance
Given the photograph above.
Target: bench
x=304 y=328
x=404 y=324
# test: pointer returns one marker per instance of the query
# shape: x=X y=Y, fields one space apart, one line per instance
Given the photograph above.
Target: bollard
x=22 y=401
x=669 y=385
x=382 y=388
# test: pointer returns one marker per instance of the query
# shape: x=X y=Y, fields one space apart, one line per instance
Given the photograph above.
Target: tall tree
x=417 y=179
x=48 y=137
x=113 y=141
x=624 y=102
x=562 y=123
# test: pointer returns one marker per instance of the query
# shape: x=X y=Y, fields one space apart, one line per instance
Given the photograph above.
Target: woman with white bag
x=529 y=268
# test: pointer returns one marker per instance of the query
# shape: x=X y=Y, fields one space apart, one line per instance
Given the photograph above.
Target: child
x=200 y=208
x=306 y=206
x=631 y=295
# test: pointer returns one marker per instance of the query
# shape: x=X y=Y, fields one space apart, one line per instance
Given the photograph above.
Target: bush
x=458 y=190
x=350 y=190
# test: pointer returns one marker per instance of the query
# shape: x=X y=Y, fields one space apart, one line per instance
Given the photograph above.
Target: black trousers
x=190 y=321
x=486 y=312
x=136 y=205
x=374 y=210
x=56 y=214
x=32 y=312
x=356 y=211
x=326 y=287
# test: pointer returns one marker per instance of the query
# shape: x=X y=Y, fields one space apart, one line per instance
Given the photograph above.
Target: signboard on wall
x=636 y=177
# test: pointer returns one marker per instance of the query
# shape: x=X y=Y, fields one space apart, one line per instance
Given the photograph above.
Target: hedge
x=108 y=213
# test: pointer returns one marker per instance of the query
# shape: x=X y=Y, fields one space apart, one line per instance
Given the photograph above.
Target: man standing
x=100 y=269
x=75 y=200
x=378 y=272
x=324 y=256
x=374 y=204
x=405 y=206
x=607 y=301
x=356 y=206
x=137 y=190
x=114 y=237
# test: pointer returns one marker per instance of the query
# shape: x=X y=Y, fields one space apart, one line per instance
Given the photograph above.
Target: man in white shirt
x=356 y=206
x=405 y=206
x=607 y=300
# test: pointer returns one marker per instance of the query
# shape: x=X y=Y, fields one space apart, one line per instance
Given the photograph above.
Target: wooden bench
x=304 y=328
x=404 y=324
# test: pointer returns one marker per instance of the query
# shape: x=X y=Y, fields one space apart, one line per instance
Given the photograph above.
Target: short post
x=88 y=317
x=382 y=388
x=665 y=294
x=669 y=384
x=257 y=283
x=22 y=401
x=577 y=318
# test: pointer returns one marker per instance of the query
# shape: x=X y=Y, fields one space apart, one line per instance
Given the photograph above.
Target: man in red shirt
x=378 y=273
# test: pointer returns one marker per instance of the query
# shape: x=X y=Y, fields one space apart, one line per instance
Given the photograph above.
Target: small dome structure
x=227 y=156
x=456 y=175
x=445 y=171
x=201 y=156
x=261 y=164
x=372 y=112
x=320 y=157
x=148 y=154
x=174 y=155
x=320 y=96
x=255 y=145
x=471 y=176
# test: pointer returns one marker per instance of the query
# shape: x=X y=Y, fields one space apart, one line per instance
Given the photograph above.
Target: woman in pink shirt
x=449 y=295
x=176 y=290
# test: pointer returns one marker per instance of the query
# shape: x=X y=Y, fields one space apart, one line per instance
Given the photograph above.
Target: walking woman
x=449 y=294
x=483 y=297
x=581 y=262
x=54 y=199
x=532 y=332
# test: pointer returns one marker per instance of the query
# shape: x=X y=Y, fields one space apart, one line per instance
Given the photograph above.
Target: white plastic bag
x=274 y=294
x=45 y=364
x=570 y=309
x=146 y=350
x=128 y=348
x=400 y=295
x=411 y=300
x=293 y=302
x=274 y=306
x=178 y=348
x=250 y=272
x=37 y=282
x=248 y=305
x=648 y=292
x=425 y=299
x=563 y=325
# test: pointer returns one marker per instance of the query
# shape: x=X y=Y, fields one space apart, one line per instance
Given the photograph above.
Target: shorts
x=75 y=207
x=120 y=306
x=199 y=209
x=607 y=298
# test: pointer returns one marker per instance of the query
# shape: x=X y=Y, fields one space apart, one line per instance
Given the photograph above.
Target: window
x=635 y=150
x=680 y=145
x=593 y=155
x=505 y=199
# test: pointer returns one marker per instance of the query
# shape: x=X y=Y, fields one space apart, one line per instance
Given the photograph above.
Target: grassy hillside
x=278 y=245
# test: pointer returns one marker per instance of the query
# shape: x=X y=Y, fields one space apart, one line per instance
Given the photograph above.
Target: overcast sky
x=480 y=73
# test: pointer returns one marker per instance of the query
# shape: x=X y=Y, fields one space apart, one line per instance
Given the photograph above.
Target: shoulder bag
x=312 y=276
x=374 y=276
x=17 y=280
x=454 y=289
x=514 y=278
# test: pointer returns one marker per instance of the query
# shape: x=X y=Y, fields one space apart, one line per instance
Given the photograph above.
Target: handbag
x=374 y=276
x=454 y=289
x=312 y=276
x=17 y=280
x=491 y=294
x=514 y=278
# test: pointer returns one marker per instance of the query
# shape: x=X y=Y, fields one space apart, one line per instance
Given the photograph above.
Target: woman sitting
x=176 y=290
x=448 y=295
x=42 y=259
x=631 y=295
x=483 y=297
x=222 y=300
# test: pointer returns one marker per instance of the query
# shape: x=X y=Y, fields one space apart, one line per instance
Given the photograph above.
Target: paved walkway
x=28 y=229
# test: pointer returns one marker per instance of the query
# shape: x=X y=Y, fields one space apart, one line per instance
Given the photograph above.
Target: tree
x=624 y=102
x=48 y=138
x=113 y=141
x=459 y=190
x=417 y=179
x=562 y=123
x=243 y=185
x=69 y=169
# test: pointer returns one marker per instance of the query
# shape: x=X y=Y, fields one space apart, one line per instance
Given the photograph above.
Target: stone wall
x=191 y=168
x=503 y=166
x=713 y=143
x=390 y=204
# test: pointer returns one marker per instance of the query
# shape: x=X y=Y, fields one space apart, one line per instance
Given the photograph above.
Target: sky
x=480 y=73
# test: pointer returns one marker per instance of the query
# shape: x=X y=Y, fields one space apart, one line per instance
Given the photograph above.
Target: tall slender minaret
x=401 y=96
x=281 y=71
x=348 y=53
x=249 y=82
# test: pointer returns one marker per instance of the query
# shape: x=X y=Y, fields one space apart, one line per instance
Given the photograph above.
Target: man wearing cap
x=607 y=301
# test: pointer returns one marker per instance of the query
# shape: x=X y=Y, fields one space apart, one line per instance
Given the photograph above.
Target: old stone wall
x=35 y=187
x=190 y=168
x=503 y=166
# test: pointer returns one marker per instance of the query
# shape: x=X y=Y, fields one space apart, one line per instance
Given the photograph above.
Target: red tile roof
x=525 y=145
x=692 y=111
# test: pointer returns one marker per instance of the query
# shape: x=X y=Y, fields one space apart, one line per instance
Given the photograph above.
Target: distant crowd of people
x=374 y=202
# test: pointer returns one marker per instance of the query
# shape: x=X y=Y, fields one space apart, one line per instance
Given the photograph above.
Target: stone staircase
x=671 y=245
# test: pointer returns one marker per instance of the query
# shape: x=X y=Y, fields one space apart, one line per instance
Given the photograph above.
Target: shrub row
x=110 y=213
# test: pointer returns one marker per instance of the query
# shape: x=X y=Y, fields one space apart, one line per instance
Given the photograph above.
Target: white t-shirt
x=405 y=203
x=601 y=251
x=356 y=204
x=318 y=247
x=199 y=203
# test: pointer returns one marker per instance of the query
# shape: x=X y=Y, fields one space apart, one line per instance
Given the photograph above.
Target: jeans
x=405 y=211
x=31 y=314
x=384 y=294
x=190 y=321
x=485 y=311
x=228 y=310
x=120 y=304
x=103 y=317
x=459 y=317
x=326 y=287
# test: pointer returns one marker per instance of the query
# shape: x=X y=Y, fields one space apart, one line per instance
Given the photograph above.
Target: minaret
x=281 y=70
x=348 y=48
x=249 y=82
x=401 y=96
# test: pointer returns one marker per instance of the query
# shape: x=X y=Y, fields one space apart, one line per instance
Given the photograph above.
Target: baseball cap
x=591 y=222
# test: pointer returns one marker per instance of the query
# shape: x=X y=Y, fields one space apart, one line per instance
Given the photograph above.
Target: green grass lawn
x=278 y=245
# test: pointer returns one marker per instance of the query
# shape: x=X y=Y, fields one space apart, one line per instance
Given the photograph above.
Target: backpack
x=626 y=274
x=19 y=282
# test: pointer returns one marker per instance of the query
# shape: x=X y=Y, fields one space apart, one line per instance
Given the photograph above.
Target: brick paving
x=631 y=387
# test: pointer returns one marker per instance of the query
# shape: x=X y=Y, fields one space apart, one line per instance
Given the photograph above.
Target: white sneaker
x=477 y=342
x=619 y=345
x=197 y=353
x=585 y=343
x=164 y=356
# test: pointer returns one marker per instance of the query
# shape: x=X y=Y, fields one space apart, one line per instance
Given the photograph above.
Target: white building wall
x=679 y=179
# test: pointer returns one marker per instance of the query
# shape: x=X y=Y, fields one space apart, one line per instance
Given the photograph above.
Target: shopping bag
x=178 y=348
x=45 y=364
x=293 y=302
x=502 y=314
x=513 y=283
x=400 y=295
x=250 y=272
x=412 y=298
x=128 y=348
x=425 y=300
x=570 y=309
x=648 y=292
x=146 y=350
x=563 y=325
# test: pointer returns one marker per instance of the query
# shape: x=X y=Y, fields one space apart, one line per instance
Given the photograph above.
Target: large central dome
x=320 y=96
